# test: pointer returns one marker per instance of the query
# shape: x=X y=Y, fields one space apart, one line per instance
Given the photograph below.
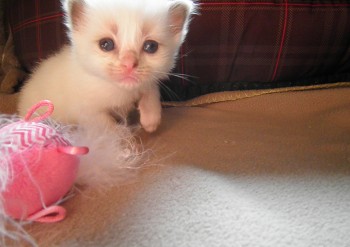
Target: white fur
x=86 y=84
x=112 y=159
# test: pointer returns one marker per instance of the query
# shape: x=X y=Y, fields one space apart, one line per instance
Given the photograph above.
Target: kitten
x=119 y=51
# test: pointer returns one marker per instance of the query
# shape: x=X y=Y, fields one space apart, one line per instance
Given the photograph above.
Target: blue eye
x=106 y=44
x=150 y=46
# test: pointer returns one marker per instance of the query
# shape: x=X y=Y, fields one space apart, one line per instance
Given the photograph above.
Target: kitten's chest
x=114 y=97
x=124 y=99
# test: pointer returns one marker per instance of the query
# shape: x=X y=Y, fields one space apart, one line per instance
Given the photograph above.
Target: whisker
x=185 y=77
x=183 y=55
x=167 y=90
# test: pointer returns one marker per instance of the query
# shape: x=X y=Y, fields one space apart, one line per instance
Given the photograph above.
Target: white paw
x=150 y=122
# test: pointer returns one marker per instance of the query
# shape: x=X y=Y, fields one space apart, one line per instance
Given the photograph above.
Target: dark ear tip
x=74 y=10
x=187 y=7
x=179 y=13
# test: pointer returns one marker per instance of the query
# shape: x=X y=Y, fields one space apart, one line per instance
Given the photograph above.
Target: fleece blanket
x=268 y=170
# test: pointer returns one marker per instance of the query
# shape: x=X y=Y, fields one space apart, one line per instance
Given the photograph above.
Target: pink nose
x=129 y=62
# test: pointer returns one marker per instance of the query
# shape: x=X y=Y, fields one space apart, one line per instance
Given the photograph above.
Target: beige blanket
x=268 y=170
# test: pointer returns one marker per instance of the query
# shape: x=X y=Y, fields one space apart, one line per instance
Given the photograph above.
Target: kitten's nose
x=129 y=62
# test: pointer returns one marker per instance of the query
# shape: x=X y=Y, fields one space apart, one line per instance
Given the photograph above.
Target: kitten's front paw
x=150 y=122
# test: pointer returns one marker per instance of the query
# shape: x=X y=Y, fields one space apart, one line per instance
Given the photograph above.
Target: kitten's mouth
x=129 y=80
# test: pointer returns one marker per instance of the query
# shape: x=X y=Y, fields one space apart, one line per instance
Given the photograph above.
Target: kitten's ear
x=74 y=10
x=179 y=17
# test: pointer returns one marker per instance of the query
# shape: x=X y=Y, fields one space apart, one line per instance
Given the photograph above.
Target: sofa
x=254 y=146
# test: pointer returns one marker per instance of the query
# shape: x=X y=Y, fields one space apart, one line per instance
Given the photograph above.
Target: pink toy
x=41 y=167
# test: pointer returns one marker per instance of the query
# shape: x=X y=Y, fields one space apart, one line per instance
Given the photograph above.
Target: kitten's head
x=131 y=43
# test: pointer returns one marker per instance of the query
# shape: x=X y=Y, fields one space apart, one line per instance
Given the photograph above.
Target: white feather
x=113 y=156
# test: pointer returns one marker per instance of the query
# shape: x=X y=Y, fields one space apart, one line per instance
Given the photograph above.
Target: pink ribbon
x=36 y=107
x=73 y=150
x=50 y=214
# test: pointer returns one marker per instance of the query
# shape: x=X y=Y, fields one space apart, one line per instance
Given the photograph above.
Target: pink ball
x=41 y=177
x=40 y=165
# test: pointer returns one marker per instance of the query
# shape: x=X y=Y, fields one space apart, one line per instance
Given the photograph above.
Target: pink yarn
x=42 y=167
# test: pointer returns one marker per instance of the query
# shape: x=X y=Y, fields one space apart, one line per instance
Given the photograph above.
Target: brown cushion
x=231 y=45
x=228 y=174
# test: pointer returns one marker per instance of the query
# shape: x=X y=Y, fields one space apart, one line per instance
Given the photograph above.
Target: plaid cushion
x=232 y=45
x=37 y=29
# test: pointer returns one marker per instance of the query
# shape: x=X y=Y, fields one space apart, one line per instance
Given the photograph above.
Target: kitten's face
x=131 y=43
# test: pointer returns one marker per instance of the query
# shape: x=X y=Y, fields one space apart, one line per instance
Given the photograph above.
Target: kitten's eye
x=106 y=44
x=150 y=46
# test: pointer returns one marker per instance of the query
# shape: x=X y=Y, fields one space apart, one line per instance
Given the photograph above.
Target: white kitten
x=119 y=52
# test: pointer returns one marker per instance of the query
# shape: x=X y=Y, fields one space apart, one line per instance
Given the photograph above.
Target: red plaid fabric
x=231 y=45
x=37 y=29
